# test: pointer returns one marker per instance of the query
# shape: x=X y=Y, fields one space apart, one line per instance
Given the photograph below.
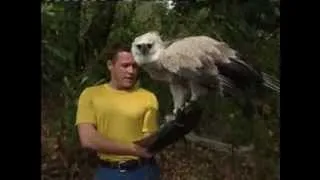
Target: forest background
x=75 y=36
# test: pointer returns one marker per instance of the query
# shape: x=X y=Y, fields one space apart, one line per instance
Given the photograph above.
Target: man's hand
x=147 y=140
x=140 y=151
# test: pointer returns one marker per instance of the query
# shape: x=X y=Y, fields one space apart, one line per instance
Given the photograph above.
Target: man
x=112 y=116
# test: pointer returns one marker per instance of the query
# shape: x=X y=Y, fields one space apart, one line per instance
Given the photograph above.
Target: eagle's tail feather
x=228 y=86
x=243 y=75
x=244 y=83
x=239 y=72
x=245 y=66
x=271 y=82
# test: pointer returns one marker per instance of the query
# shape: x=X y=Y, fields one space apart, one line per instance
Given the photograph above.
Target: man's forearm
x=147 y=140
x=107 y=146
x=92 y=139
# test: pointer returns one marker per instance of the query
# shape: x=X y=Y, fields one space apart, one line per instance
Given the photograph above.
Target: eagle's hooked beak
x=144 y=48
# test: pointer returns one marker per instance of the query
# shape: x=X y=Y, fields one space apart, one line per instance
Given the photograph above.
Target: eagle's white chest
x=157 y=72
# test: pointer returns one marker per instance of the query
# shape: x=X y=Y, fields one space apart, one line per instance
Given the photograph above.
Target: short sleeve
x=150 y=123
x=85 y=112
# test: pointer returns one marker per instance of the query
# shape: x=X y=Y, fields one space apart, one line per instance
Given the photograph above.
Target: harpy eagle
x=196 y=65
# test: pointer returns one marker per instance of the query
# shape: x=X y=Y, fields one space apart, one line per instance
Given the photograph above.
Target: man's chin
x=128 y=85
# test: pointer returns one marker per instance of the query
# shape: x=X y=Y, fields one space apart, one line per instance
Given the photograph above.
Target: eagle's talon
x=187 y=104
x=170 y=117
x=190 y=102
x=182 y=108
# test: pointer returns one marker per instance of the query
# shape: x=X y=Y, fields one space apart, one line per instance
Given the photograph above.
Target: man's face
x=124 y=70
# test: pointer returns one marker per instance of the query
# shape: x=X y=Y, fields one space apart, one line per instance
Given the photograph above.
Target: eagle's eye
x=149 y=46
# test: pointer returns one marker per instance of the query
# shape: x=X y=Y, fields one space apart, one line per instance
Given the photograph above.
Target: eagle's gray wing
x=195 y=58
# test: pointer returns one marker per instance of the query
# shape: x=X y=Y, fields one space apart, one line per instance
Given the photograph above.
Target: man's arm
x=92 y=139
x=150 y=123
x=147 y=139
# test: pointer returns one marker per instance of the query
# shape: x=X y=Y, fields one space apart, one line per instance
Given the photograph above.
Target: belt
x=127 y=165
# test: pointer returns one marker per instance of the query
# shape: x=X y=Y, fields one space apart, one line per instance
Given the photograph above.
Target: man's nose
x=130 y=69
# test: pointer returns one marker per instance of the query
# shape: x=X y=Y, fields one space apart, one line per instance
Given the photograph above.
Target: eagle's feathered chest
x=158 y=72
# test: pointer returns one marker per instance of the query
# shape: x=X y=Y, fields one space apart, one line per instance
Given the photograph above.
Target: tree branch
x=216 y=145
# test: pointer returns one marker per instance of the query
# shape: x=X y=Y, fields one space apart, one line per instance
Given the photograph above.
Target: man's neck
x=114 y=85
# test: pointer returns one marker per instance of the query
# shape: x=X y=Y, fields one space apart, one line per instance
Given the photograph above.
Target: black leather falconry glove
x=172 y=131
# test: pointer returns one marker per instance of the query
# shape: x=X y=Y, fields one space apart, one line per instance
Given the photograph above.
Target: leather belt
x=126 y=165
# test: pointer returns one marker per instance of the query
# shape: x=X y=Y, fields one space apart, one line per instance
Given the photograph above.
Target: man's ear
x=109 y=64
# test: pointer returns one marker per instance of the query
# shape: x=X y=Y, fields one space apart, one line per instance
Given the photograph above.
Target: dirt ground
x=177 y=162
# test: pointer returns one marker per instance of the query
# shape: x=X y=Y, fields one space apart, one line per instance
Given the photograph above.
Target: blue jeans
x=146 y=172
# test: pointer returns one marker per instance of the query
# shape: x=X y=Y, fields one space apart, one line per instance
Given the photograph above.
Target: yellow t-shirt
x=118 y=115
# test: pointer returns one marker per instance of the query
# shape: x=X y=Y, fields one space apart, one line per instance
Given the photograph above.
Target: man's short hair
x=113 y=51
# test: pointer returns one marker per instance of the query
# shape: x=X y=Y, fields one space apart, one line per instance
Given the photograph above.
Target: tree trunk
x=95 y=38
x=72 y=30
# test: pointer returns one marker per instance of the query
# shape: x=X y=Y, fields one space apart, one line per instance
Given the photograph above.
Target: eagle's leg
x=220 y=88
x=196 y=91
x=179 y=93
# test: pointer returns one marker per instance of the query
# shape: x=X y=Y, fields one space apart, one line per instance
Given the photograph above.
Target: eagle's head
x=147 y=47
